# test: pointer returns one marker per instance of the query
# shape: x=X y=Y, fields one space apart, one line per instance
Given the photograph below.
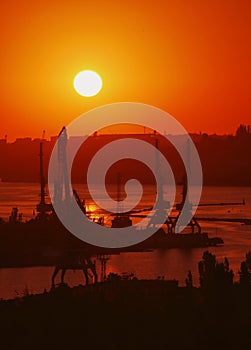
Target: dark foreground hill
x=130 y=314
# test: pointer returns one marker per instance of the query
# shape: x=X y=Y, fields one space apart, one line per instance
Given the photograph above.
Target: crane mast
x=42 y=208
x=63 y=176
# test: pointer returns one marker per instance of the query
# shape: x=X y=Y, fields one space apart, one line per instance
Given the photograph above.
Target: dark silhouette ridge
x=127 y=313
x=225 y=159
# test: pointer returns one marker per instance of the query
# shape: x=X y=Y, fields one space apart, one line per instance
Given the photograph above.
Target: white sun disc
x=87 y=83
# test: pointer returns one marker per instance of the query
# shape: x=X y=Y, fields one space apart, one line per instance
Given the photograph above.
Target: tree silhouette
x=245 y=270
x=189 y=280
x=243 y=130
x=214 y=275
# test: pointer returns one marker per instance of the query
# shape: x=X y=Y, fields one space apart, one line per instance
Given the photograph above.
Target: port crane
x=194 y=222
x=75 y=261
x=42 y=207
x=123 y=219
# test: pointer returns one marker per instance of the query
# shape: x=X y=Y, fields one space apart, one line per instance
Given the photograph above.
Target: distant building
x=23 y=141
x=3 y=142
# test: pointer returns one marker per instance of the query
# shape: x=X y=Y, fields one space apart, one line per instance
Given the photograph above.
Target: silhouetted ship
x=165 y=236
x=42 y=240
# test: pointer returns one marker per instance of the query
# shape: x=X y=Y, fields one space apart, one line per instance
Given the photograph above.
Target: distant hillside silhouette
x=225 y=159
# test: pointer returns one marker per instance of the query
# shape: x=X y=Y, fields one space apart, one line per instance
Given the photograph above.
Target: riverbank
x=128 y=314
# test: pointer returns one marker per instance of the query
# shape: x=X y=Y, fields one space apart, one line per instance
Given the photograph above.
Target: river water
x=170 y=263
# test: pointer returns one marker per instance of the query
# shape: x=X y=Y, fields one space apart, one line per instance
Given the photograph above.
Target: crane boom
x=222 y=203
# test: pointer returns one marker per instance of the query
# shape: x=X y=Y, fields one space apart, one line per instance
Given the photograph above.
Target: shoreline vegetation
x=126 y=313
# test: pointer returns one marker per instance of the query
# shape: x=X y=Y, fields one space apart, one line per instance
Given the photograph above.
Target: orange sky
x=191 y=58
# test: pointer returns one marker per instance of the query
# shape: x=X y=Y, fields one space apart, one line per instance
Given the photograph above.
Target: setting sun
x=87 y=83
x=165 y=53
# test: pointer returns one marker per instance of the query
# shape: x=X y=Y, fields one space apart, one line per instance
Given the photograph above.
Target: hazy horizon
x=140 y=131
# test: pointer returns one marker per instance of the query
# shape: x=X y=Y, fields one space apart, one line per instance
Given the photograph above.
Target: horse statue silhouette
x=75 y=262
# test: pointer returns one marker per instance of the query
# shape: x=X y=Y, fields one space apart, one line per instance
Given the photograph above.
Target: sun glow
x=87 y=83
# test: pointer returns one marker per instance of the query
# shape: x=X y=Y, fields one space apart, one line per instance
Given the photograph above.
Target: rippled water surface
x=171 y=263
